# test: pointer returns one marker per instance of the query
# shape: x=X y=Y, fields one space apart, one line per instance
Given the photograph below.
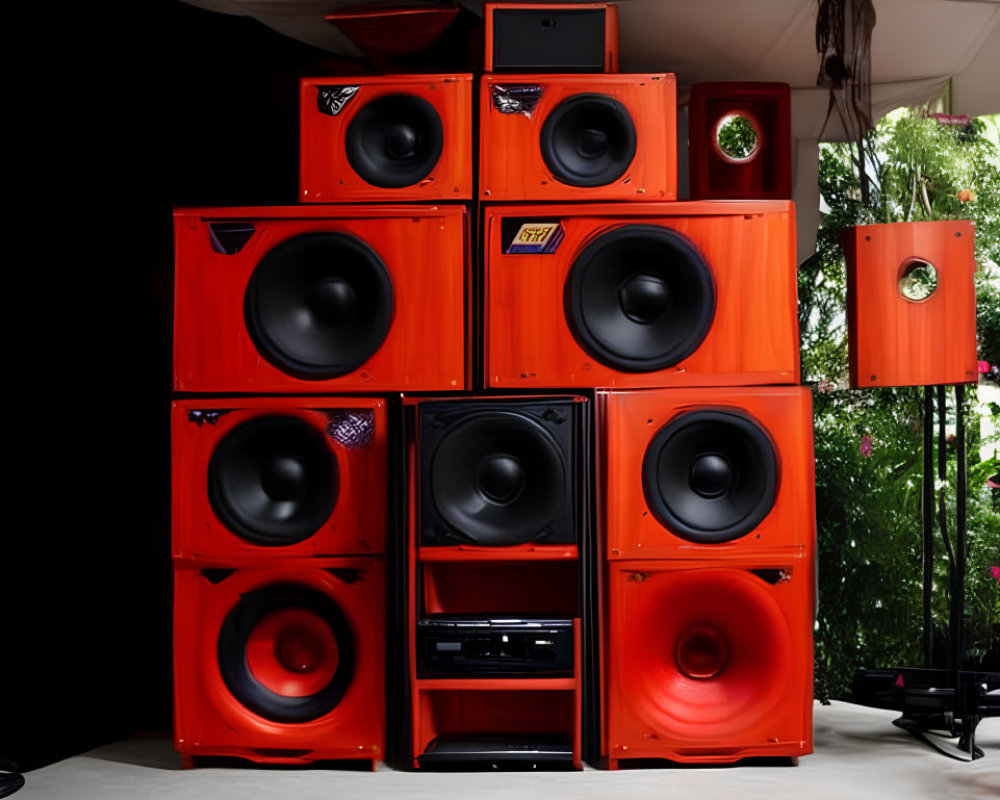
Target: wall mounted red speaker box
x=577 y=137
x=280 y=664
x=320 y=299
x=261 y=478
x=716 y=473
x=740 y=141
x=386 y=139
x=671 y=294
x=709 y=663
x=911 y=303
x=543 y=37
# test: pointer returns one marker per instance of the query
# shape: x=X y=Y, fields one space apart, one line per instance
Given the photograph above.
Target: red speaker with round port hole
x=709 y=663
x=670 y=294
x=261 y=478
x=388 y=138
x=740 y=141
x=577 y=137
x=708 y=473
x=911 y=303
x=279 y=664
x=320 y=299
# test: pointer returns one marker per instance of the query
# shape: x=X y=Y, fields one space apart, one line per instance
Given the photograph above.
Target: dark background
x=120 y=113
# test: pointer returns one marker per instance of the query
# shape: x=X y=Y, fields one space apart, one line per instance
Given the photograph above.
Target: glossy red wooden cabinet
x=617 y=295
x=320 y=299
x=751 y=448
x=391 y=138
x=280 y=664
x=261 y=479
x=757 y=162
x=910 y=325
x=709 y=663
x=577 y=137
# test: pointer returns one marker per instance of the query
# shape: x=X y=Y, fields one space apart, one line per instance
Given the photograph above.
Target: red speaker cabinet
x=281 y=664
x=740 y=141
x=716 y=473
x=578 y=137
x=911 y=303
x=389 y=138
x=256 y=479
x=320 y=299
x=709 y=663
x=546 y=37
x=671 y=294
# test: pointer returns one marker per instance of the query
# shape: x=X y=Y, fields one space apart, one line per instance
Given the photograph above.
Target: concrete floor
x=859 y=754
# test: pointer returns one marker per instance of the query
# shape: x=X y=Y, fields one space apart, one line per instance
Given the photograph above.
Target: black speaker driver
x=273 y=480
x=394 y=141
x=498 y=479
x=239 y=678
x=319 y=305
x=639 y=298
x=588 y=140
x=710 y=476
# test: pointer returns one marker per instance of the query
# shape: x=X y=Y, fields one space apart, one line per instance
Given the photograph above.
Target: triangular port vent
x=228 y=238
x=216 y=576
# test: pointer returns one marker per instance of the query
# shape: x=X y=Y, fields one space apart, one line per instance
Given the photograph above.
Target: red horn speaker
x=280 y=664
x=320 y=299
x=709 y=663
x=672 y=294
x=386 y=139
x=740 y=141
x=708 y=473
x=577 y=137
x=263 y=478
x=911 y=303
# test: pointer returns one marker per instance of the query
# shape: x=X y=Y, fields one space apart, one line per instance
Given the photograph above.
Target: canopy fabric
x=918 y=46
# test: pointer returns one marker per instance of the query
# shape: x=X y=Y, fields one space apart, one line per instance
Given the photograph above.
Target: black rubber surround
x=319 y=305
x=710 y=476
x=588 y=140
x=640 y=298
x=394 y=141
x=273 y=480
x=236 y=674
x=498 y=478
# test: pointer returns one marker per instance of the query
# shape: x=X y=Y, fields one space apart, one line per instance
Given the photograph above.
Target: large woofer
x=394 y=141
x=319 y=305
x=286 y=652
x=273 y=480
x=640 y=298
x=710 y=476
x=588 y=140
x=498 y=478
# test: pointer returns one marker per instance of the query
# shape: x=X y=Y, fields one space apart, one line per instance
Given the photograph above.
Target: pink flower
x=866 y=446
x=995 y=572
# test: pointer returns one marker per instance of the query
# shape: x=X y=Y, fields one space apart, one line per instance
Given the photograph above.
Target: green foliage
x=737 y=137
x=869 y=443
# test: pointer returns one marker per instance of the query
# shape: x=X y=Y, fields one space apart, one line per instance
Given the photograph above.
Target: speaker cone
x=709 y=652
x=394 y=141
x=319 y=305
x=498 y=479
x=286 y=652
x=273 y=480
x=640 y=298
x=710 y=476
x=588 y=140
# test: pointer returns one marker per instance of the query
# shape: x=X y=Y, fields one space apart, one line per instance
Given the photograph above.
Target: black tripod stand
x=940 y=705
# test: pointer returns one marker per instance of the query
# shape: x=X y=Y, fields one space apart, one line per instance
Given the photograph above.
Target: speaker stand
x=939 y=705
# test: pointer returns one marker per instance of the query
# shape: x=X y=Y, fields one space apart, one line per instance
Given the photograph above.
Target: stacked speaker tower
x=562 y=491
